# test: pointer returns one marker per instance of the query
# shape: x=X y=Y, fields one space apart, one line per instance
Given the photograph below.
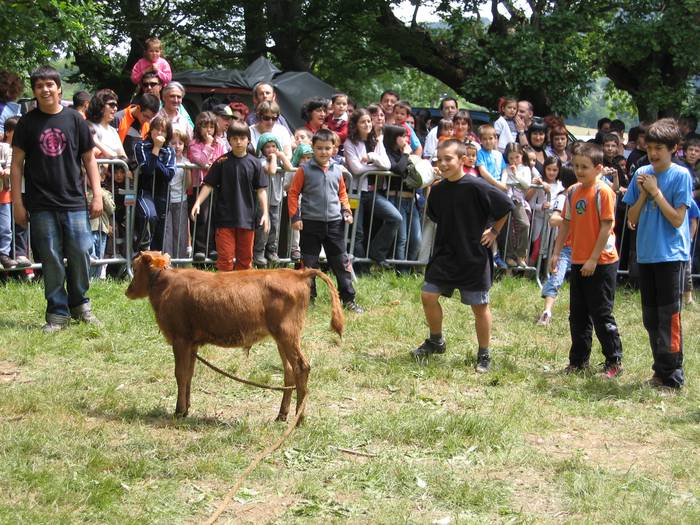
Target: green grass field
x=87 y=433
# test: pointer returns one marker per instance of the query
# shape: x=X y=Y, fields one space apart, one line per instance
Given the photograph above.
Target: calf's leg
x=289 y=380
x=183 y=375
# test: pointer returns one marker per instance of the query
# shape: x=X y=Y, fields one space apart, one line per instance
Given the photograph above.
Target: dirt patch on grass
x=9 y=372
x=533 y=494
x=609 y=445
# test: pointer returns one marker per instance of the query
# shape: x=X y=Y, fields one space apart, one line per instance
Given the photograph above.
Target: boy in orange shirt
x=589 y=218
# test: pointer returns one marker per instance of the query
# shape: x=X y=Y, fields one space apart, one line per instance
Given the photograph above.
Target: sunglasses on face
x=269 y=118
x=111 y=104
x=150 y=84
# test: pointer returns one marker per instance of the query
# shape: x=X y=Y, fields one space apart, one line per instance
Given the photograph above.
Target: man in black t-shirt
x=462 y=207
x=47 y=149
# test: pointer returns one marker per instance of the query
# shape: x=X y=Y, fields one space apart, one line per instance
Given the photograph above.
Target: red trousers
x=234 y=243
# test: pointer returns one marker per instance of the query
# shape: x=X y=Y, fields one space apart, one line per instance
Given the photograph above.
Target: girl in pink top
x=152 y=61
x=204 y=150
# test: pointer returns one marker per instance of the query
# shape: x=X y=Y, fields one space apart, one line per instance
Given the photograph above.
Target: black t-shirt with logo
x=53 y=145
x=236 y=181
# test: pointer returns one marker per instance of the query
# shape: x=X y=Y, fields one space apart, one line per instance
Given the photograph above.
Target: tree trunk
x=294 y=43
x=255 y=30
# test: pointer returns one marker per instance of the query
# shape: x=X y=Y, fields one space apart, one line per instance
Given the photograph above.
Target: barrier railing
x=409 y=246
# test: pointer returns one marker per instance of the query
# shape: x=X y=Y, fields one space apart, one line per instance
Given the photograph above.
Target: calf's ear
x=159 y=260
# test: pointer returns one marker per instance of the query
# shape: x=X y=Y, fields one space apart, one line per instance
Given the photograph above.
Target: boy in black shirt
x=238 y=178
x=462 y=207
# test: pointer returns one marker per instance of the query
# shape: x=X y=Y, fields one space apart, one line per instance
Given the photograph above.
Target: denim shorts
x=469 y=297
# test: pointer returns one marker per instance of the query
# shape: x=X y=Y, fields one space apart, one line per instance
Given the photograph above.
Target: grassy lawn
x=87 y=433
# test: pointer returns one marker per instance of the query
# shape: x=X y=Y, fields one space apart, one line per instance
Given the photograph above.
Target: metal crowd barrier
x=359 y=244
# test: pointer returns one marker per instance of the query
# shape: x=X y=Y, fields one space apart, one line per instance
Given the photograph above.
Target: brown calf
x=231 y=309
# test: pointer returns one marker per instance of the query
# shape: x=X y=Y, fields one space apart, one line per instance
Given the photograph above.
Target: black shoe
x=7 y=262
x=199 y=257
x=577 y=369
x=483 y=361
x=213 y=255
x=272 y=258
x=429 y=347
x=352 y=306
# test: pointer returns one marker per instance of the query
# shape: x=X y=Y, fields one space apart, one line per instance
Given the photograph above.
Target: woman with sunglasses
x=267 y=121
x=100 y=113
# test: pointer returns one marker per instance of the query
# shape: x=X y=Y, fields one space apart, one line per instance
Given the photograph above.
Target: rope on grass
x=240 y=380
x=269 y=450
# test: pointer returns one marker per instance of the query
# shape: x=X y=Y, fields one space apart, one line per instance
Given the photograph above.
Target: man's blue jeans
x=57 y=235
x=409 y=232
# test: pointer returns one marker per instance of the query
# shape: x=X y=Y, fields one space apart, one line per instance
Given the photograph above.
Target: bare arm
x=93 y=175
x=262 y=200
x=489 y=178
x=204 y=192
x=16 y=175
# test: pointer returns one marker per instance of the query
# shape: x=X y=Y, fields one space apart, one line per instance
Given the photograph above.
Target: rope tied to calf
x=240 y=380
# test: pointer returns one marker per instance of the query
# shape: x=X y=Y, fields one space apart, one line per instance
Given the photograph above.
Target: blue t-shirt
x=492 y=160
x=657 y=239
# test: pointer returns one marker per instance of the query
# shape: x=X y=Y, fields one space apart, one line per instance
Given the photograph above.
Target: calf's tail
x=337 y=317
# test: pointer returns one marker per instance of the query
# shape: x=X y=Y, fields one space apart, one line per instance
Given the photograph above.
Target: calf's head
x=144 y=265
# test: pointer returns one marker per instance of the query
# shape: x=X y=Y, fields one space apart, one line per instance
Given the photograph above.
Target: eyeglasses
x=150 y=84
x=111 y=104
x=269 y=118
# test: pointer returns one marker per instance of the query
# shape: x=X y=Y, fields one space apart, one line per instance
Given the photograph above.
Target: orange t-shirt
x=585 y=208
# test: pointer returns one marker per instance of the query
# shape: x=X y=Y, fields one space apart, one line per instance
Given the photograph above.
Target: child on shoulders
x=505 y=127
x=152 y=61
x=338 y=119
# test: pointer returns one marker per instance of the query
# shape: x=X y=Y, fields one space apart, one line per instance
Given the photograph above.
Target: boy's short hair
x=633 y=134
x=664 y=131
x=310 y=105
x=11 y=123
x=461 y=146
x=617 y=125
x=80 y=98
x=611 y=137
x=337 y=96
x=323 y=135
x=45 y=73
x=403 y=104
x=161 y=121
x=603 y=121
x=692 y=139
x=591 y=151
x=238 y=129
x=486 y=128
x=148 y=102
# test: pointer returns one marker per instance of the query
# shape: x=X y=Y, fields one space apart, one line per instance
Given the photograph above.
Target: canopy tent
x=292 y=87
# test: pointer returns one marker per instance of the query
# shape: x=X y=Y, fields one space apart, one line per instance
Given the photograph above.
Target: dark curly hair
x=11 y=86
x=98 y=103
x=311 y=105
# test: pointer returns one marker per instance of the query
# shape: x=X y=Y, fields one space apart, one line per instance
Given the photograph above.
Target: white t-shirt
x=278 y=131
x=107 y=136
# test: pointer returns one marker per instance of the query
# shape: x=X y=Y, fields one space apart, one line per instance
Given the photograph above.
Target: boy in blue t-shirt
x=659 y=196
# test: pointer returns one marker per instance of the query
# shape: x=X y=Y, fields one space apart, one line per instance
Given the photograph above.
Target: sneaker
x=545 y=319
x=214 y=255
x=352 y=306
x=86 y=316
x=295 y=255
x=483 y=361
x=612 y=370
x=272 y=258
x=522 y=263
x=499 y=262
x=199 y=257
x=188 y=252
x=512 y=263
x=429 y=347
x=52 y=327
x=576 y=369
x=7 y=262
x=260 y=262
x=23 y=262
